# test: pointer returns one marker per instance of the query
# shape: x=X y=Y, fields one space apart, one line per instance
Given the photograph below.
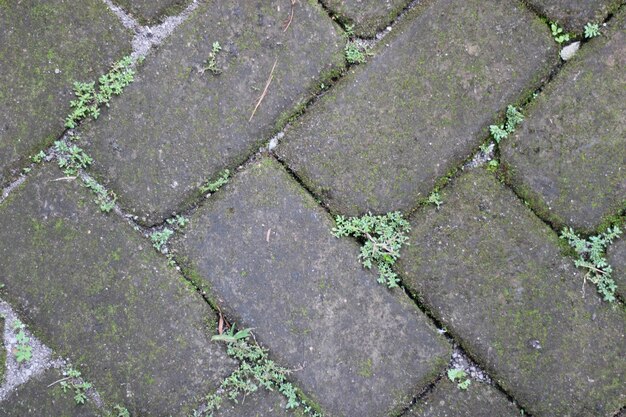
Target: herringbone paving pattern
x=173 y=254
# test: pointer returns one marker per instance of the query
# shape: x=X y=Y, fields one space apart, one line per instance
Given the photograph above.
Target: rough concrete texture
x=96 y=292
x=568 y=158
x=616 y=255
x=178 y=127
x=367 y=16
x=265 y=249
x=151 y=11
x=573 y=15
x=493 y=273
x=3 y=351
x=479 y=400
x=44 y=47
x=37 y=398
x=379 y=140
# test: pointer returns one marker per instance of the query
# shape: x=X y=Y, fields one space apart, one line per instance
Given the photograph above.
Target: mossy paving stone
x=151 y=11
x=379 y=140
x=36 y=399
x=97 y=293
x=479 y=400
x=616 y=256
x=367 y=16
x=44 y=47
x=176 y=127
x=574 y=14
x=493 y=273
x=363 y=350
x=568 y=158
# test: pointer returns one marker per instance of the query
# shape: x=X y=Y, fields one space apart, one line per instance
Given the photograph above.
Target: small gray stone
x=569 y=51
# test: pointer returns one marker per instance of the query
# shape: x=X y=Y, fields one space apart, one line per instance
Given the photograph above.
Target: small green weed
x=459 y=375
x=559 y=35
x=211 y=63
x=105 y=200
x=513 y=118
x=255 y=371
x=120 y=411
x=23 y=350
x=71 y=158
x=492 y=166
x=160 y=238
x=39 y=157
x=356 y=53
x=88 y=100
x=383 y=237
x=217 y=184
x=178 y=221
x=591 y=254
x=592 y=30
x=349 y=31
x=435 y=198
x=74 y=382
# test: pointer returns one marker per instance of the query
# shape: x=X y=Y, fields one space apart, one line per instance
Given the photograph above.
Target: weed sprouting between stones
x=23 y=350
x=513 y=118
x=592 y=30
x=591 y=256
x=88 y=99
x=559 y=35
x=460 y=376
x=383 y=237
x=104 y=199
x=256 y=370
x=160 y=238
x=213 y=186
x=71 y=158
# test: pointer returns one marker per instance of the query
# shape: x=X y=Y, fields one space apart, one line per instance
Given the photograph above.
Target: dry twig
x=288 y=22
x=267 y=85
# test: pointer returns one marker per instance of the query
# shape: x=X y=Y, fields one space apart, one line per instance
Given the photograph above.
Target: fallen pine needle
x=267 y=85
x=288 y=23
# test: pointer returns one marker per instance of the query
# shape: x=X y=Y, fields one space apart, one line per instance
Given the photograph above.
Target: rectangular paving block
x=380 y=139
x=616 y=255
x=96 y=292
x=568 y=158
x=367 y=16
x=44 y=47
x=37 y=398
x=493 y=273
x=573 y=15
x=151 y=11
x=448 y=400
x=265 y=249
x=180 y=125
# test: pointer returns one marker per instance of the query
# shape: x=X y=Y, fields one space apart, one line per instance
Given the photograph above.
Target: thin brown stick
x=288 y=23
x=60 y=380
x=267 y=85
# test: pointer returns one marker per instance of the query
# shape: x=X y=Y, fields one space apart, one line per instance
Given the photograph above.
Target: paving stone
x=176 y=127
x=45 y=46
x=367 y=16
x=3 y=351
x=493 y=273
x=151 y=11
x=573 y=15
x=568 y=158
x=36 y=398
x=616 y=255
x=265 y=249
x=447 y=400
x=96 y=292
x=262 y=403
x=366 y=151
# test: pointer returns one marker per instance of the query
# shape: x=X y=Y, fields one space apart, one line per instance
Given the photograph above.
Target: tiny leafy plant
x=382 y=236
x=559 y=35
x=213 y=186
x=120 y=411
x=74 y=382
x=492 y=166
x=71 y=158
x=104 y=199
x=591 y=256
x=160 y=238
x=178 y=221
x=435 y=198
x=38 y=157
x=89 y=98
x=592 y=30
x=459 y=376
x=23 y=350
x=513 y=118
x=356 y=53
x=211 y=63
x=256 y=370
